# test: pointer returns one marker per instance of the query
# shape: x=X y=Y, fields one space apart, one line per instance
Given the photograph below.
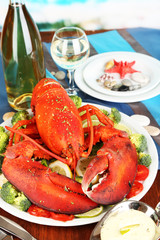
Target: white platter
x=84 y=79
x=133 y=125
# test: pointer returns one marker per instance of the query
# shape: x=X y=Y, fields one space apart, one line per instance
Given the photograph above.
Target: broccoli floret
x=144 y=159
x=21 y=115
x=12 y=196
x=115 y=115
x=4 y=139
x=139 y=141
x=105 y=112
x=1 y=161
x=22 y=202
x=44 y=162
x=2 y=129
x=8 y=192
x=77 y=101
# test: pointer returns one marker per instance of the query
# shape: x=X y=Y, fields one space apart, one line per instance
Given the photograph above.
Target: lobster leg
x=34 y=143
x=31 y=130
x=92 y=110
x=116 y=164
x=104 y=133
x=95 y=111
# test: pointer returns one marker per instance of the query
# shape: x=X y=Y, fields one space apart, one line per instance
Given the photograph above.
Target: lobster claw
x=46 y=189
x=115 y=165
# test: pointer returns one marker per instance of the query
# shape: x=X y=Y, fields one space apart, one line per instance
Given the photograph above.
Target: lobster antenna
x=89 y=121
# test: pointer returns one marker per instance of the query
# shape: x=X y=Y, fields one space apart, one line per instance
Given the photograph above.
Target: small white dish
x=126 y=206
x=79 y=80
x=144 y=64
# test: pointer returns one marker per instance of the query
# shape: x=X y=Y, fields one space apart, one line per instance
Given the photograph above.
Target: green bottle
x=22 y=55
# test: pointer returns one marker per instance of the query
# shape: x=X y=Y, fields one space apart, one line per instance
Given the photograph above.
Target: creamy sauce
x=129 y=225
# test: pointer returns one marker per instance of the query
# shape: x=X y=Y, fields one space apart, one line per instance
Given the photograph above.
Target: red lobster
x=57 y=121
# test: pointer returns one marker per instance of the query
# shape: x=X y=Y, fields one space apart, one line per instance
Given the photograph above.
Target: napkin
x=109 y=42
x=149 y=39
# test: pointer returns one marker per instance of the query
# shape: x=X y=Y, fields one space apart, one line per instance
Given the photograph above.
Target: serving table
x=137 y=39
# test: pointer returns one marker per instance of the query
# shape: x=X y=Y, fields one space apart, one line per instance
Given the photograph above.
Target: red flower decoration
x=122 y=68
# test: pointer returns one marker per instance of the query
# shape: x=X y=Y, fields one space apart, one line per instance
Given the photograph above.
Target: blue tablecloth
x=142 y=38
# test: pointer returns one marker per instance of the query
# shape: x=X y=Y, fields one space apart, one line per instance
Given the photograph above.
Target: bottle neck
x=15 y=2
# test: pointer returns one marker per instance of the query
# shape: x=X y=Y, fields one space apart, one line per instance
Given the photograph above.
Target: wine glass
x=69 y=49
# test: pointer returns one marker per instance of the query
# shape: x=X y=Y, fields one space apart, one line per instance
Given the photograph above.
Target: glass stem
x=71 y=79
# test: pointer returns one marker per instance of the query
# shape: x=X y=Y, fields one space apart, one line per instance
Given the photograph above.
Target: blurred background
x=91 y=14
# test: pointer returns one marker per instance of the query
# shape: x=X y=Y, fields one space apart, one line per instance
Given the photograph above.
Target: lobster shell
x=57 y=119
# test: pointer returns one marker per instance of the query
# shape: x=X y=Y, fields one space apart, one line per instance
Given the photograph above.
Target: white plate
x=145 y=64
x=79 y=79
x=83 y=221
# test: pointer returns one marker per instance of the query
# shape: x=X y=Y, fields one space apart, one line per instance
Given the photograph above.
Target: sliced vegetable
x=137 y=187
x=92 y=213
x=142 y=173
x=61 y=217
x=61 y=168
x=126 y=229
x=38 y=212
